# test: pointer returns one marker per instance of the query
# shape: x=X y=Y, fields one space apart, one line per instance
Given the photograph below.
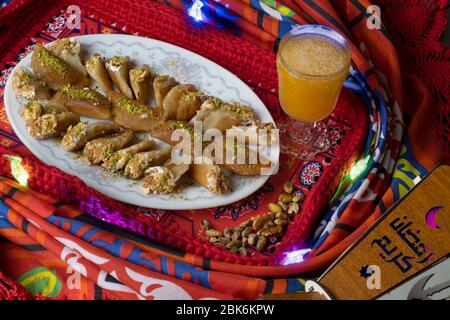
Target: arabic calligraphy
x=392 y=254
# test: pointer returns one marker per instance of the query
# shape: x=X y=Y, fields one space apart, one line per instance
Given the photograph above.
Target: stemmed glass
x=312 y=62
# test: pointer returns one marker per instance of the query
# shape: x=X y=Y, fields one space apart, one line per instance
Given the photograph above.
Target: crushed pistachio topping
x=90 y=63
x=46 y=124
x=117 y=62
x=65 y=44
x=181 y=125
x=32 y=110
x=74 y=131
x=56 y=64
x=73 y=93
x=132 y=106
x=237 y=108
x=107 y=152
x=140 y=74
x=190 y=96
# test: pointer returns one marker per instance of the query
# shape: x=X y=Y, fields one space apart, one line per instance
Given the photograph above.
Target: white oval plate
x=164 y=58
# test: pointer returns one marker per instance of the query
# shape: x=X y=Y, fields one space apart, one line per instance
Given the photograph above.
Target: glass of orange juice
x=312 y=62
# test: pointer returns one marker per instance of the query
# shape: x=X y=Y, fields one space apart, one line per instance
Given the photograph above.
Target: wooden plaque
x=413 y=235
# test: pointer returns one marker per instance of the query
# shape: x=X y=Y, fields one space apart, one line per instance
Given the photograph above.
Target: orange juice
x=311 y=70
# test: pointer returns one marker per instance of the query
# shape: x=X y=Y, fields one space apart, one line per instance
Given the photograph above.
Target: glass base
x=303 y=139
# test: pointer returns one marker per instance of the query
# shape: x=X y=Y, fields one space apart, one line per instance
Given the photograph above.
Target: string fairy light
x=295 y=256
x=196 y=10
x=18 y=171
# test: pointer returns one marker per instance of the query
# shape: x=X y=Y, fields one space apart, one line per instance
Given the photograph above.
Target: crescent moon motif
x=430 y=217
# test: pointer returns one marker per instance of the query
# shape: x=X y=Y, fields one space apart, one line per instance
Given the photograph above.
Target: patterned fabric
x=395 y=154
x=349 y=132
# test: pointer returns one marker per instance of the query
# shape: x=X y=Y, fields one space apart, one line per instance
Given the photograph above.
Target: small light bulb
x=18 y=171
x=196 y=10
x=295 y=256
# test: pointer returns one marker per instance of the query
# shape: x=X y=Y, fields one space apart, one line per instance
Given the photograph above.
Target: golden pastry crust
x=100 y=149
x=55 y=71
x=69 y=50
x=118 y=69
x=161 y=87
x=77 y=136
x=52 y=125
x=96 y=69
x=211 y=177
x=34 y=109
x=28 y=86
x=83 y=101
x=170 y=102
x=163 y=130
x=163 y=179
x=140 y=80
x=120 y=158
x=137 y=165
x=132 y=115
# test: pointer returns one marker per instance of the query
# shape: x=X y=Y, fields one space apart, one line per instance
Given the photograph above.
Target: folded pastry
x=95 y=67
x=29 y=87
x=54 y=70
x=77 y=136
x=68 y=50
x=139 y=162
x=52 y=125
x=244 y=161
x=140 y=79
x=206 y=108
x=100 y=149
x=118 y=69
x=163 y=179
x=161 y=87
x=211 y=177
x=133 y=115
x=119 y=159
x=34 y=109
x=170 y=102
x=257 y=132
x=189 y=104
x=227 y=116
x=83 y=101
x=164 y=130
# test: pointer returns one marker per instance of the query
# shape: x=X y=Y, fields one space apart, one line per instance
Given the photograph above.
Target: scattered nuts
x=285 y=197
x=243 y=251
x=298 y=197
x=283 y=206
x=261 y=244
x=224 y=240
x=280 y=222
x=246 y=232
x=236 y=235
x=255 y=231
x=213 y=233
x=234 y=249
x=260 y=221
x=274 y=231
x=288 y=187
x=293 y=208
x=206 y=224
x=252 y=238
x=213 y=239
x=275 y=208
x=234 y=243
x=227 y=232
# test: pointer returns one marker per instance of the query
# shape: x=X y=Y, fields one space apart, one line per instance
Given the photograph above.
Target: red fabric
x=254 y=65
